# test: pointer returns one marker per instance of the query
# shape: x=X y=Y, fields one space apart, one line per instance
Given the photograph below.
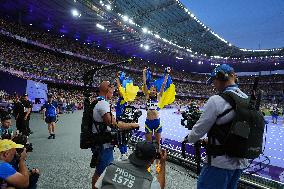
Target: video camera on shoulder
x=131 y=114
x=190 y=116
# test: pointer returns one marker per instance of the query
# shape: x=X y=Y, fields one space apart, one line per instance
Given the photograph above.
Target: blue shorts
x=217 y=178
x=50 y=119
x=105 y=158
x=151 y=125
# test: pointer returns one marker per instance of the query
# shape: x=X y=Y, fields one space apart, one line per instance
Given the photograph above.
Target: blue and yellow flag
x=127 y=89
x=169 y=93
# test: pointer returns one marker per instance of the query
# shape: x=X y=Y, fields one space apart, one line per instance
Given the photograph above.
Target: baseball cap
x=143 y=153
x=8 y=145
x=222 y=68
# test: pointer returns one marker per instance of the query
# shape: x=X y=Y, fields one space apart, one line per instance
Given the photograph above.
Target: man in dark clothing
x=24 y=108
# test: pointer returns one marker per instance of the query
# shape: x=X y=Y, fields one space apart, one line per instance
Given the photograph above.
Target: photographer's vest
x=242 y=137
x=124 y=175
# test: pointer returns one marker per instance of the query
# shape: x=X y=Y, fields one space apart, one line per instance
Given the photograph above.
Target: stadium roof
x=161 y=31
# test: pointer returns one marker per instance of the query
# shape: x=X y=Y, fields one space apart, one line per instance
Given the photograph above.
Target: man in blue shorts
x=50 y=110
x=8 y=175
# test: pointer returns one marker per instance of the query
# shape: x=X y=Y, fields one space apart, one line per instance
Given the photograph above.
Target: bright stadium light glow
x=146 y=47
x=75 y=13
x=31 y=24
x=131 y=21
x=125 y=18
x=123 y=37
x=179 y=58
x=100 y=26
x=108 y=7
x=145 y=30
x=141 y=45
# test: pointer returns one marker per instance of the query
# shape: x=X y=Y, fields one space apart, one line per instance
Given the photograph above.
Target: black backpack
x=243 y=136
x=86 y=135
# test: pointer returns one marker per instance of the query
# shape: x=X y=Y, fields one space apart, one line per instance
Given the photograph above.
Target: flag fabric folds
x=127 y=89
x=169 y=93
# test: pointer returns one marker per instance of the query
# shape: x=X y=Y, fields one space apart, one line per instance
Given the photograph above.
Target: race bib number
x=123 y=177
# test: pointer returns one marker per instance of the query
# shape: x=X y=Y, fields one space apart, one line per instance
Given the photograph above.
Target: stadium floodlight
x=31 y=24
x=100 y=26
x=125 y=18
x=123 y=37
x=145 y=30
x=146 y=47
x=75 y=13
x=108 y=7
x=48 y=30
x=131 y=21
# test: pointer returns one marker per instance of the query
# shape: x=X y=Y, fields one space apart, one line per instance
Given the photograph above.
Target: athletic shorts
x=50 y=119
x=153 y=125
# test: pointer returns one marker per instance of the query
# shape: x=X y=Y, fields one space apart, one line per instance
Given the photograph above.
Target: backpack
x=88 y=139
x=243 y=136
x=87 y=124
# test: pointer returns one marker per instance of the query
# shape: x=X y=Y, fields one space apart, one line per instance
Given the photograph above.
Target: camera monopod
x=197 y=155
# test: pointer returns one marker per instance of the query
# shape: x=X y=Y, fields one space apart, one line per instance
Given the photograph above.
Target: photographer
x=133 y=173
x=24 y=108
x=104 y=121
x=6 y=132
x=8 y=175
x=223 y=171
x=50 y=111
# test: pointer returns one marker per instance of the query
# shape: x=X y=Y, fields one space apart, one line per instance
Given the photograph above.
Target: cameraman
x=224 y=171
x=133 y=172
x=103 y=154
x=8 y=175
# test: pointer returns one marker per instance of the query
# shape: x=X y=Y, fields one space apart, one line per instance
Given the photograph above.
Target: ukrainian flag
x=127 y=89
x=169 y=93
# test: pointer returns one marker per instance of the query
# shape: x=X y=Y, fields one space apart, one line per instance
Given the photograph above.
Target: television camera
x=87 y=138
x=190 y=116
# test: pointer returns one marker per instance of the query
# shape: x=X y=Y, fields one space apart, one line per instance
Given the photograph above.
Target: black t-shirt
x=22 y=108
